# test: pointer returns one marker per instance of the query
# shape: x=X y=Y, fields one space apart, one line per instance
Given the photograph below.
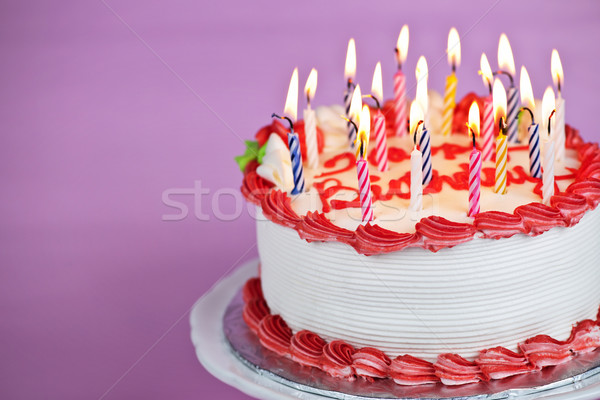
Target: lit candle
x=354 y=113
x=416 y=172
x=474 y=163
x=451 y=81
x=506 y=63
x=381 y=151
x=422 y=75
x=400 y=84
x=310 y=121
x=488 y=110
x=362 y=167
x=559 y=121
x=290 y=114
x=349 y=74
x=534 y=137
x=499 y=94
x=548 y=110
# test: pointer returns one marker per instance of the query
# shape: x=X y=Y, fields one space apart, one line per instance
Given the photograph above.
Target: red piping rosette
x=254 y=187
x=590 y=167
x=277 y=208
x=499 y=363
x=336 y=360
x=409 y=370
x=539 y=217
x=570 y=205
x=438 y=232
x=452 y=369
x=372 y=239
x=306 y=348
x=585 y=337
x=542 y=351
x=589 y=188
x=252 y=290
x=254 y=311
x=275 y=335
x=498 y=224
x=316 y=227
x=371 y=363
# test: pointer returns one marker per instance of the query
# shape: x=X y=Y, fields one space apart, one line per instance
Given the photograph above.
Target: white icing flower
x=330 y=120
x=276 y=164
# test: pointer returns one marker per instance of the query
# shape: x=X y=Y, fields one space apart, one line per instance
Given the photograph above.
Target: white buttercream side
x=476 y=295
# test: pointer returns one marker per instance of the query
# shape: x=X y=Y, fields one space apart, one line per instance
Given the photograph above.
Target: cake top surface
x=329 y=208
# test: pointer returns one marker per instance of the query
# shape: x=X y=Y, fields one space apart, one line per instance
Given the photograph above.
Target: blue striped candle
x=425 y=147
x=534 y=151
x=296 y=157
x=512 y=115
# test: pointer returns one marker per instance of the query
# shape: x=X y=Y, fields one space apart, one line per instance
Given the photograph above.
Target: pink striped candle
x=364 y=186
x=474 y=181
x=381 y=151
x=488 y=128
x=400 y=109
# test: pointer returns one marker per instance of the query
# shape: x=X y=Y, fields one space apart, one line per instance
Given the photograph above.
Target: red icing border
x=341 y=360
x=434 y=233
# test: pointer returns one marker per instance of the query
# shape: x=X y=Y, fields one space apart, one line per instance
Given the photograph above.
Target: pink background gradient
x=106 y=104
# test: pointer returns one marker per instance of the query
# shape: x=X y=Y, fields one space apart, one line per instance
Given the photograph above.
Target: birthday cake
x=369 y=285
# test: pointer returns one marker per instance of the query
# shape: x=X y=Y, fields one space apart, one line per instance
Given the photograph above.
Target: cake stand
x=216 y=355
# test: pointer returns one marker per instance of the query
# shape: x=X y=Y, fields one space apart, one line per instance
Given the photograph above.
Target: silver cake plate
x=579 y=373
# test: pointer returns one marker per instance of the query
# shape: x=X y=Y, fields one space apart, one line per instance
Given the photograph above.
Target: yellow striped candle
x=449 y=103
x=499 y=95
x=451 y=81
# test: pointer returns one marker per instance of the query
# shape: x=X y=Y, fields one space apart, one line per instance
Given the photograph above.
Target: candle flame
x=485 y=70
x=474 y=118
x=506 y=61
x=377 y=86
x=350 y=70
x=416 y=116
x=557 y=70
x=453 y=48
x=548 y=106
x=355 y=105
x=422 y=74
x=499 y=100
x=311 y=84
x=402 y=45
x=527 y=99
x=364 y=131
x=291 y=101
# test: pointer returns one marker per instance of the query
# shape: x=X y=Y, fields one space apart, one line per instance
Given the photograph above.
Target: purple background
x=105 y=105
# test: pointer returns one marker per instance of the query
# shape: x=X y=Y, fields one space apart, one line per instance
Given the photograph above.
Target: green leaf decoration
x=251 y=153
x=261 y=153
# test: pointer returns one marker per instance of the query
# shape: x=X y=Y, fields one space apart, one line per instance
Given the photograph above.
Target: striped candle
x=416 y=181
x=364 y=185
x=400 y=109
x=487 y=128
x=559 y=128
x=474 y=182
x=296 y=157
x=347 y=102
x=501 y=160
x=534 y=151
x=310 y=129
x=425 y=146
x=512 y=117
x=548 y=174
x=449 y=103
x=381 y=151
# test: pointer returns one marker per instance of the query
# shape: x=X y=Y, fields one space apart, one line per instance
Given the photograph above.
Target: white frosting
x=476 y=295
x=276 y=166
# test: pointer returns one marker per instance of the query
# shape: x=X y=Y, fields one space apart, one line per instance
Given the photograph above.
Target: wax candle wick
x=501 y=72
x=502 y=126
x=530 y=113
x=550 y=122
x=416 y=130
x=398 y=58
x=374 y=98
x=286 y=118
